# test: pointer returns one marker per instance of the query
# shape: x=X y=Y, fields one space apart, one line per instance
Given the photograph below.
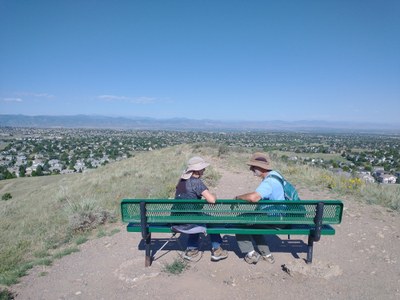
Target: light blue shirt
x=270 y=188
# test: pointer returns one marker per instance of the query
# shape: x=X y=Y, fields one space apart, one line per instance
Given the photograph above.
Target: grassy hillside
x=47 y=217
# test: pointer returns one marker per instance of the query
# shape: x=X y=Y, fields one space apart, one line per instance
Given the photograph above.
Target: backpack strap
x=281 y=180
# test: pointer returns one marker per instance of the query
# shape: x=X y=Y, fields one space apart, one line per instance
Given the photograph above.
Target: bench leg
x=310 y=249
x=147 y=261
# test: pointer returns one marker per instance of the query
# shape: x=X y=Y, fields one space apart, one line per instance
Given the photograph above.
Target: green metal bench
x=306 y=217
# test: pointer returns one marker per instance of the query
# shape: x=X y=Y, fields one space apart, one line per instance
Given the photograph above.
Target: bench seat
x=238 y=229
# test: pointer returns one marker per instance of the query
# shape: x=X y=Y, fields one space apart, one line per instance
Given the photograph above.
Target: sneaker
x=269 y=258
x=190 y=254
x=252 y=258
x=218 y=254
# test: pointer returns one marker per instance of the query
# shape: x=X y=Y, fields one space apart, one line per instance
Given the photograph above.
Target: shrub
x=86 y=215
x=6 y=295
x=222 y=150
x=176 y=267
x=81 y=239
x=6 y=196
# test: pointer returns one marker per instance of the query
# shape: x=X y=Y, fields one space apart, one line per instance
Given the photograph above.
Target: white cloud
x=36 y=95
x=112 y=98
x=12 y=99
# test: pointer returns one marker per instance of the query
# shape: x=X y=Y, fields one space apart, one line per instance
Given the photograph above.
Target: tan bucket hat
x=260 y=160
x=196 y=163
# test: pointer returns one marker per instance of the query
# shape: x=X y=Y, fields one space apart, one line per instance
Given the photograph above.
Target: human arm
x=251 y=197
x=210 y=198
x=263 y=191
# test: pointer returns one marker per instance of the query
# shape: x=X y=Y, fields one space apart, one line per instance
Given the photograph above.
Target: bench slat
x=293 y=230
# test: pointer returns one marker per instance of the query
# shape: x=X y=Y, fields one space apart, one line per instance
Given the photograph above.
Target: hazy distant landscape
x=97 y=121
x=50 y=151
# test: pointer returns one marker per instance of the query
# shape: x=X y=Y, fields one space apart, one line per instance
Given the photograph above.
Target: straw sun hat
x=194 y=164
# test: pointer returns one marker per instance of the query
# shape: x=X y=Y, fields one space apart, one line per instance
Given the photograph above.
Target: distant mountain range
x=89 y=121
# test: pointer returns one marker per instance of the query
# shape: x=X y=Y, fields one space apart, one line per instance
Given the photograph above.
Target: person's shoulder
x=272 y=177
x=273 y=174
x=276 y=173
x=198 y=183
x=195 y=179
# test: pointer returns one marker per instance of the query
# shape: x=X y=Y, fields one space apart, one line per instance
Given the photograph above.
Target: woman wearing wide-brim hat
x=190 y=186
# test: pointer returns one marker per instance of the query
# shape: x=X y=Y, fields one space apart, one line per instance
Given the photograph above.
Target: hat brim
x=260 y=164
x=186 y=175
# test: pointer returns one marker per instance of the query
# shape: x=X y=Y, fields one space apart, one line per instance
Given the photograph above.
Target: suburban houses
x=46 y=151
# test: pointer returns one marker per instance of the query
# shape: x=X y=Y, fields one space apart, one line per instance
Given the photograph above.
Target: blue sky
x=227 y=60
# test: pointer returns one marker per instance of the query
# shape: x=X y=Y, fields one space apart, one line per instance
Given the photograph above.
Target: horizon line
x=209 y=119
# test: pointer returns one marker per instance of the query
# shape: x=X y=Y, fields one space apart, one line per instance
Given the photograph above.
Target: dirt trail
x=360 y=262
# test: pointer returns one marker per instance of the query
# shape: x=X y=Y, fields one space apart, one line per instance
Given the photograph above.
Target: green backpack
x=288 y=188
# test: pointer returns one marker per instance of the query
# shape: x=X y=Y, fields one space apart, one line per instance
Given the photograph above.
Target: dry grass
x=387 y=195
x=48 y=214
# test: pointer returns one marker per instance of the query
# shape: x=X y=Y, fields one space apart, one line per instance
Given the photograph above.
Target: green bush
x=85 y=215
x=81 y=239
x=6 y=295
x=176 y=267
x=6 y=196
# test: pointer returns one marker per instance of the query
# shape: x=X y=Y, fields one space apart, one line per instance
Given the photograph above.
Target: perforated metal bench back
x=231 y=211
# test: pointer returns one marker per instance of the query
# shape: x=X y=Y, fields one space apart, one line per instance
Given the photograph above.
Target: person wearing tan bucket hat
x=195 y=164
x=269 y=189
x=190 y=186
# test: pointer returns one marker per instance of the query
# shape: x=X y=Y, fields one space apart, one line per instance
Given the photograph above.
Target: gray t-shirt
x=190 y=188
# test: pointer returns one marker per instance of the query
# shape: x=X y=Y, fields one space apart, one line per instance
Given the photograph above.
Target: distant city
x=51 y=151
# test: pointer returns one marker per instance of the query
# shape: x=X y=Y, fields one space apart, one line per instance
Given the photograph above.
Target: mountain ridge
x=103 y=122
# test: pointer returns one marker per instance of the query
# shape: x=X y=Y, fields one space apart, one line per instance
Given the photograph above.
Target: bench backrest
x=227 y=211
